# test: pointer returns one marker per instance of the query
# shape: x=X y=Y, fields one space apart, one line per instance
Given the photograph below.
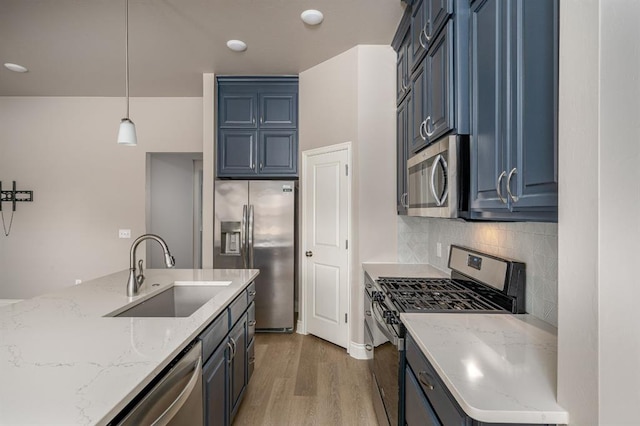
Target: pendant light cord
x=4 y=227
x=126 y=52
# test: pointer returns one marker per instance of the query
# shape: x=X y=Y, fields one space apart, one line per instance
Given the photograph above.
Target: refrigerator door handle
x=243 y=236
x=250 y=236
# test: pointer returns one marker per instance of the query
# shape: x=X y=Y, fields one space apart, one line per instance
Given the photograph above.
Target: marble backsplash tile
x=533 y=243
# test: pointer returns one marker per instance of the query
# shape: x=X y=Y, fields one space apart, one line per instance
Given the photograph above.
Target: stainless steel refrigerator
x=255 y=228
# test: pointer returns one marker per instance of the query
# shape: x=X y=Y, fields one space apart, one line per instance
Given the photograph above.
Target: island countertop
x=62 y=362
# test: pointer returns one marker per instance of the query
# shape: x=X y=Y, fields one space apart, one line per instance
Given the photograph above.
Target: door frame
x=301 y=327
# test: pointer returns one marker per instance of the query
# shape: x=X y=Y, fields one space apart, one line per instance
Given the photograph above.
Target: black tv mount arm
x=14 y=196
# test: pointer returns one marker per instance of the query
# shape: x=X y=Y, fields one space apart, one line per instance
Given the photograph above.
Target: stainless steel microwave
x=438 y=179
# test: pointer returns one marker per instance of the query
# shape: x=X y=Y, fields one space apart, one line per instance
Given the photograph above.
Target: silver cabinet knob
x=308 y=253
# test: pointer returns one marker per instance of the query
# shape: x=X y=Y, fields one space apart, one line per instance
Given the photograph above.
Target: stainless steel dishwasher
x=175 y=399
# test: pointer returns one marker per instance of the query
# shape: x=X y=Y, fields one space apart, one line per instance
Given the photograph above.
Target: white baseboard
x=358 y=351
x=300 y=328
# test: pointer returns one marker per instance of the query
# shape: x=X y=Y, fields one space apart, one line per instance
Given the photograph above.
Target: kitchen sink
x=180 y=300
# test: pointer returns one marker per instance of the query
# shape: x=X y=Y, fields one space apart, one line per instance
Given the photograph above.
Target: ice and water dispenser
x=230 y=233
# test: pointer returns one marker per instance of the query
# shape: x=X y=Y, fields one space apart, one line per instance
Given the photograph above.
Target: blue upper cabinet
x=440 y=78
x=237 y=108
x=514 y=69
x=427 y=19
x=278 y=110
x=257 y=127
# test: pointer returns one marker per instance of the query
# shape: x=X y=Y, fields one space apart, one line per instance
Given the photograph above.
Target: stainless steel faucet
x=135 y=281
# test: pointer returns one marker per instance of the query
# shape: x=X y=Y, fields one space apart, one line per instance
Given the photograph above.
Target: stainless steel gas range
x=479 y=283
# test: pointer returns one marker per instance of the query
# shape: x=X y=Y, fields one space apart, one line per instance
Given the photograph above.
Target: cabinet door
x=438 y=14
x=238 y=337
x=402 y=154
x=236 y=152
x=439 y=75
x=533 y=157
x=215 y=376
x=417 y=410
x=237 y=109
x=402 y=70
x=278 y=153
x=417 y=108
x=278 y=110
x=488 y=96
x=418 y=45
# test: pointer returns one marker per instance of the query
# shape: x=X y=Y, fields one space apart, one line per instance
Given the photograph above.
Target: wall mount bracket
x=14 y=196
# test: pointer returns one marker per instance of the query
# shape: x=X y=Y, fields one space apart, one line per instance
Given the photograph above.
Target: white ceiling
x=76 y=47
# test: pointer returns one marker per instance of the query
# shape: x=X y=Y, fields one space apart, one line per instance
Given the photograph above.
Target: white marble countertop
x=499 y=368
x=409 y=270
x=63 y=363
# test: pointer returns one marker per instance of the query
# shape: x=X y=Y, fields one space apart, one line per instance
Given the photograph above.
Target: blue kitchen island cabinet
x=514 y=101
x=257 y=127
x=227 y=346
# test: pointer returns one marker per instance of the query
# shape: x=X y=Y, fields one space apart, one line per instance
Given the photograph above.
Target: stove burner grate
x=435 y=295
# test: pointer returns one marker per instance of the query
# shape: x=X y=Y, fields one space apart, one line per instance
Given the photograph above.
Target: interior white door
x=326 y=228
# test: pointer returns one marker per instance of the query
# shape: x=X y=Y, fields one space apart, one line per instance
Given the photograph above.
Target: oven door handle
x=382 y=325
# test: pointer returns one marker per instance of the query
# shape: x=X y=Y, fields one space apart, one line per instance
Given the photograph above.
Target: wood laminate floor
x=304 y=380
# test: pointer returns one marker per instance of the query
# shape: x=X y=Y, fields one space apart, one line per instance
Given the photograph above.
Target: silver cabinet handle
x=424 y=381
x=231 y=354
x=261 y=119
x=252 y=323
x=404 y=200
x=367 y=313
x=498 y=187
x=405 y=86
x=368 y=285
x=308 y=253
x=427 y=37
x=443 y=163
x=422 y=43
x=233 y=342
x=427 y=121
x=253 y=120
x=252 y=360
x=424 y=138
x=513 y=171
x=252 y=293
x=261 y=165
x=368 y=347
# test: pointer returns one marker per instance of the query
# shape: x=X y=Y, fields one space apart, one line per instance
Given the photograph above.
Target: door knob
x=308 y=253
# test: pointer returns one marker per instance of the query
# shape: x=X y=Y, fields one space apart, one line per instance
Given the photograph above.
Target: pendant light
x=127 y=132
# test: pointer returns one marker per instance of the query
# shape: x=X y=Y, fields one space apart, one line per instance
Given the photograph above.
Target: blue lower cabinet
x=215 y=379
x=227 y=369
x=417 y=410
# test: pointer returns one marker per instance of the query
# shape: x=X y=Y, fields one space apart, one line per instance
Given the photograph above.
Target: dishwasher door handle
x=173 y=400
x=177 y=404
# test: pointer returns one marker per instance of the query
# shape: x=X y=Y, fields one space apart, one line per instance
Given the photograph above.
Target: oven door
x=388 y=365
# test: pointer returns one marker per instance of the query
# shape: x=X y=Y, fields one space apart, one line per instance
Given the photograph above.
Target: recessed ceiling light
x=312 y=17
x=237 y=45
x=15 y=67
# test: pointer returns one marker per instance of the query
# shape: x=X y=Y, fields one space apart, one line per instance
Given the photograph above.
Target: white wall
x=619 y=205
x=599 y=230
x=351 y=97
x=85 y=186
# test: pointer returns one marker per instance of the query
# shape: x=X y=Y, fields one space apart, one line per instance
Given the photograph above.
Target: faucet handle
x=140 y=276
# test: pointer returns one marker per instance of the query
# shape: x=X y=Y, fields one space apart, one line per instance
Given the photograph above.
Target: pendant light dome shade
x=127 y=133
